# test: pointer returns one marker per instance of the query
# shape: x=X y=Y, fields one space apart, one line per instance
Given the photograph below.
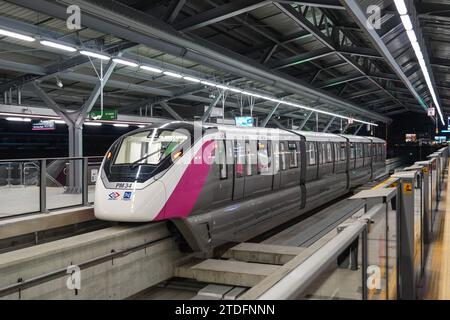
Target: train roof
x=321 y=136
x=352 y=138
x=375 y=139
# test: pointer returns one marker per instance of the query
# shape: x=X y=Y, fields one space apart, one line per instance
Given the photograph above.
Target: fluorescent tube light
x=95 y=55
x=16 y=35
x=125 y=62
x=57 y=46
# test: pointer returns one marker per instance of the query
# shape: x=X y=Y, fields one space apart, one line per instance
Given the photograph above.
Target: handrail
x=42 y=159
x=299 y=279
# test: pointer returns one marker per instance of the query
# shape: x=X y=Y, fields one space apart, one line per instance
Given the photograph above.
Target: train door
x=223 y=189
x=257 y=166
x=276 y=165
x=239 y=168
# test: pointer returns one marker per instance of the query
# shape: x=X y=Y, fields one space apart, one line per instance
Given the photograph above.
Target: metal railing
x=44 y=184
x=343 y=268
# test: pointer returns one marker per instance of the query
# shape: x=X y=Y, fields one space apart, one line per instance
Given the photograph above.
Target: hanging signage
x=350 y=120
x=42 y=125
x=108 y=114
x=431 y=112
x=244 y=121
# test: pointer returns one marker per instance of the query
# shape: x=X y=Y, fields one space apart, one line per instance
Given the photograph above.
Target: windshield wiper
x=134 y=164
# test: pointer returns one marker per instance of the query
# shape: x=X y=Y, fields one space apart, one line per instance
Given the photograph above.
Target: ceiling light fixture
x=57 y=46
x=16 y=35
x=172 y=74
x=95 y=55
x=125 y=62
x=151 y=69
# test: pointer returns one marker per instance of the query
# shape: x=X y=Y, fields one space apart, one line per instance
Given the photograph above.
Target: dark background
x=17 y=140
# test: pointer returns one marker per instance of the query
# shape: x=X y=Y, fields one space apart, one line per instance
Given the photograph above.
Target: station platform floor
x=437 y=274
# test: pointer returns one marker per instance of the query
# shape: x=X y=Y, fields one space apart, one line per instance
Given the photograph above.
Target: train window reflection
x=248 y=158
x=240 y=158
x=263 y=157
x=283 y=155
x=222 y=160
x=311 y=151
x=352 y=150
x=343 y=151
x=149 y=147
x=293 y=159
x=329 y=153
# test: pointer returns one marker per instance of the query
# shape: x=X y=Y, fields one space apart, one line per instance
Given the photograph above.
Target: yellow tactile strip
x=438 y=282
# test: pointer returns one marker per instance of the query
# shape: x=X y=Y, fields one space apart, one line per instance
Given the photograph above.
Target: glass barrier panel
x=392 y=248
x=434 y=183
x=92 y=175
x=418 y=229
x=19 y=187
x=64 y=183
x=342 y=279
x=376 y=257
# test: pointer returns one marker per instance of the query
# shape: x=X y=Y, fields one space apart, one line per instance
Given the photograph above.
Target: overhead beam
x=360 y=17
x=326 y=41
x=328 y=125
x=358 y=129
x=22 y=67
x=305 y=120
x=173 y=10
x=89 y=104
x=301 y=58
x=172 y=112
x=270 y=115
x=211 y=107
x=218 y=14
x=156 y=100
x=119 y=20
x=341 y=80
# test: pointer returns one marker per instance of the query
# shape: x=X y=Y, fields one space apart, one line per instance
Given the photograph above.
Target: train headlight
x=177 y=155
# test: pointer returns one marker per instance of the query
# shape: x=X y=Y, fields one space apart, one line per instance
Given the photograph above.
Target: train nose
x=130 y=205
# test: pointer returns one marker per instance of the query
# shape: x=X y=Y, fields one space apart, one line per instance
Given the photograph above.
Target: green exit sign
x=108 y=114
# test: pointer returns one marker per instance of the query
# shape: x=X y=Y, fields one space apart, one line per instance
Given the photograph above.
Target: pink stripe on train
x=185 y=195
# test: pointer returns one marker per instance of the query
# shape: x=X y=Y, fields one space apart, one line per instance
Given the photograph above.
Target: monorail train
x=229 y=184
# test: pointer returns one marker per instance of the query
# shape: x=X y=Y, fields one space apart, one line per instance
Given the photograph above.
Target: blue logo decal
x=127 y=195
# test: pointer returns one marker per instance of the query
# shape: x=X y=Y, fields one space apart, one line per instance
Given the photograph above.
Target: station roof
x=313 y=53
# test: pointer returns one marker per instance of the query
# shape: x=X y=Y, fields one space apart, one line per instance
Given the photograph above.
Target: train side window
x=329 y=153
x=311 y=151
x=293 y=155
x=283 y=155
x=321 y=152
x=343 y=151
x=336 y=152
x=222 y=159
x=361 y=150
x=352 y=150
x=239 y=158
x=276 y=156
x=248 y=158
x=263 y=157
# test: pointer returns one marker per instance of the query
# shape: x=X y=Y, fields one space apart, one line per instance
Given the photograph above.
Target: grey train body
x=314 y=169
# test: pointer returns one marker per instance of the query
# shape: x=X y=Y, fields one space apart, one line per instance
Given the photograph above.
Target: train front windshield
x=149 y=147
x=140 y=156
